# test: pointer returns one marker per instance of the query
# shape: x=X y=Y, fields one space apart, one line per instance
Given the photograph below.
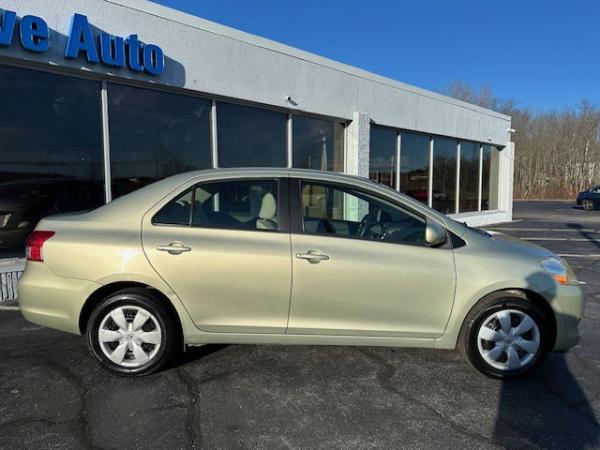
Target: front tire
x=131 y=333
x=505 y=336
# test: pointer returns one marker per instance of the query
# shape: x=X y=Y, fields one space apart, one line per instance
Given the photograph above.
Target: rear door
x=224 y=249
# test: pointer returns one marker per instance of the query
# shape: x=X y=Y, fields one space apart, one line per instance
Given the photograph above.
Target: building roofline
x=190 y=20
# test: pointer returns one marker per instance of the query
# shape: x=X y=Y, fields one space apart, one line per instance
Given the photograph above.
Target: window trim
x=297 y=215
x=283 y=207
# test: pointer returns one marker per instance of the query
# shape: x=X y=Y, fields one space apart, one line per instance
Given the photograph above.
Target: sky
x=544 y=54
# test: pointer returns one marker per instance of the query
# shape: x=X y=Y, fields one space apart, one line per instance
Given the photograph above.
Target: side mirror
x=435 y=234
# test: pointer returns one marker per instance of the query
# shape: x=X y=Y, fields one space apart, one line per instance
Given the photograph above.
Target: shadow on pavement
x=591 y=237
x=193 y=354
x=547 y=409
x=566 y=420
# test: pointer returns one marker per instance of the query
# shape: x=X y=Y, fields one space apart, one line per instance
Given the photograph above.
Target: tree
x=557 y=152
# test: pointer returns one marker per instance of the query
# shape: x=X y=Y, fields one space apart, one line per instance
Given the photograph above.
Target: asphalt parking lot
x=52 y=395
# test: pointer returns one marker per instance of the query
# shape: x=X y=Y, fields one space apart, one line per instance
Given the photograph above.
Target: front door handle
x=313 y=256
x=174 y=248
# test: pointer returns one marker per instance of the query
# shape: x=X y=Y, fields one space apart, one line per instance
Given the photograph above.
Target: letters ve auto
x=112 y=51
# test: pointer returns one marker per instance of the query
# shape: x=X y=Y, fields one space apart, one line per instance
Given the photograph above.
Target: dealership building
x=102 y=97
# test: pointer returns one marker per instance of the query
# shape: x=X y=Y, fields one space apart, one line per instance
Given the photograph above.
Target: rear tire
x=588 y=205
x=505 y=336
x=132 y=333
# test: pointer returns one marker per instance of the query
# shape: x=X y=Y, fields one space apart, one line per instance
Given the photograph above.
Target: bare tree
x=557 y=152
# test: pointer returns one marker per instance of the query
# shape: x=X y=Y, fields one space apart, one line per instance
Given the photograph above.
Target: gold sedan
x=292 y=257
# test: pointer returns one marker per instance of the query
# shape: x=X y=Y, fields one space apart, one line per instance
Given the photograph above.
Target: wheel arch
x=528 y=294
x=104 y=291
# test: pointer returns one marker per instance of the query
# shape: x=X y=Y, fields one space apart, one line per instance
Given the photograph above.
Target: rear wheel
x=132 y=333
x=505 y=337
x=588 y=204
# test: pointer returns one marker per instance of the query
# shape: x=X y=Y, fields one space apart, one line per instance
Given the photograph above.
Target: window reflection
x=382 y=156
x=332 y=210
x=318 y=144
x=50 y=150
x=444 y=175
x=469 y=177
x=489 y=177
x=414 y=165
x=251 y=137
x=154 y=135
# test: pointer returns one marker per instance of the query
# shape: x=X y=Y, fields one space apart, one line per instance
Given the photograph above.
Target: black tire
x=588 y=205
x=134 y=299
x=481 y=312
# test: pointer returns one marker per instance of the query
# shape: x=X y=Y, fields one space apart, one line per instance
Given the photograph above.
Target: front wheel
x=505 y=337
x=132 y=333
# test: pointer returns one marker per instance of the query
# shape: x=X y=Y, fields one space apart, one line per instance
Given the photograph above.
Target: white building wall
x=218 y=61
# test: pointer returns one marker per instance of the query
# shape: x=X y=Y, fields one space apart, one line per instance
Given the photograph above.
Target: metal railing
x=10 y=272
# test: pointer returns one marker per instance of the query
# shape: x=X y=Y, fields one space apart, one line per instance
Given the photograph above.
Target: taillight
x=34 y=244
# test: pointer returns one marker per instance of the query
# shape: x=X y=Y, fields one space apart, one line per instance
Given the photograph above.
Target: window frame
x=297 y=215
x=283 y=206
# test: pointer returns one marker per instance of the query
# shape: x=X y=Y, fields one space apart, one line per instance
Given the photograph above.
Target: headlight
x=556 y=269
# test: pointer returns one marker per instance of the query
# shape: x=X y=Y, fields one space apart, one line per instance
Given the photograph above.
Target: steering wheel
x=365 y=229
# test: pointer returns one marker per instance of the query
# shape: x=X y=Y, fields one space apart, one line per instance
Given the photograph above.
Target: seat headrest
x=268 y=207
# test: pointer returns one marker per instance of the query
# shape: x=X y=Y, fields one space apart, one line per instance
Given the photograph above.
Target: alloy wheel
x=508 y=339
x=130 y=336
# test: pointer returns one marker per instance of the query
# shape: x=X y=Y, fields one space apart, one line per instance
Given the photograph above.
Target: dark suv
x=590 y=199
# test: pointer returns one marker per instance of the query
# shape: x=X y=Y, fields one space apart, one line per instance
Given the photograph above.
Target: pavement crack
x=384 y=377
x=74 y=381
x=192 y=422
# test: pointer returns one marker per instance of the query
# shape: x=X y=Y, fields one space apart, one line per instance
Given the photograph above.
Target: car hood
x=519 y=246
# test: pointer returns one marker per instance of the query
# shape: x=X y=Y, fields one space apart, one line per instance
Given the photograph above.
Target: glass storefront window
x=469 y=177
x=444 y=175
x=154 y=135
x=51 y=158
x=317 y=144
x=489 y=177
x=251 y=137
x=382 y=156
x=414 y=165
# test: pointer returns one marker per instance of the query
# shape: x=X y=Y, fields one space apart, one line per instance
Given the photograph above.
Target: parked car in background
x=209 y=257
x=24 y=202
x=589 y=199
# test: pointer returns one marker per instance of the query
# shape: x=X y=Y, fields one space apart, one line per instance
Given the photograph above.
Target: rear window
x=240 y=204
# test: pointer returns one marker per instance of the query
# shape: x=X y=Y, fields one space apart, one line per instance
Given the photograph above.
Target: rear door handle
x=313 y=256
x=174 y=248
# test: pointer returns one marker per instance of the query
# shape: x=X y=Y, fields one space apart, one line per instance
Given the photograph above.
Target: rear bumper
x=50 y=300
x=568 y=305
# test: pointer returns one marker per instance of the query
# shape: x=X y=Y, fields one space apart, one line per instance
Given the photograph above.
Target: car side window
x=334 y=210
x=176 y=212
x=239 y=204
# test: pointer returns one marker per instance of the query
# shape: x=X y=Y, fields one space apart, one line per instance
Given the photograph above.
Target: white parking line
x=572 y=255
x=559 y=239
x=568 y=230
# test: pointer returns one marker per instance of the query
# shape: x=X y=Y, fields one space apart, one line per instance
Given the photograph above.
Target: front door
x=361 y=267
x=224 y=250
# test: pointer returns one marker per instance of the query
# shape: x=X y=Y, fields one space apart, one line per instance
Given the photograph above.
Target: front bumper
x=568 y=305
x=50 y=300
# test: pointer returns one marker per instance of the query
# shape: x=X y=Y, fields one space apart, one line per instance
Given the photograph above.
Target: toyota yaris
x=280 y=256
